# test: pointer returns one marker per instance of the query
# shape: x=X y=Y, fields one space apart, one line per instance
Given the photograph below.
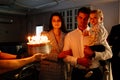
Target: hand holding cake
x=39 y=56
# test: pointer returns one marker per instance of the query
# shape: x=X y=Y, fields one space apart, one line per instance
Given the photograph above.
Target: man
x=75 y=43
x=114 y=41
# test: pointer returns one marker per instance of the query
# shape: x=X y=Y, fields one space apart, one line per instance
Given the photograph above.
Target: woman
x=51 y=68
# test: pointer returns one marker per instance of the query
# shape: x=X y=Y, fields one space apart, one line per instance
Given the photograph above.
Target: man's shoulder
x=116 y=27
x=72 y=32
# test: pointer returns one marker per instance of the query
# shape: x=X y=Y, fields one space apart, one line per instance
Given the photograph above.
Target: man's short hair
x=85 y=10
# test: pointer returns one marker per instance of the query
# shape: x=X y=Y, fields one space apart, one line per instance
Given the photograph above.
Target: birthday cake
x=39 y=45
x=44 y=48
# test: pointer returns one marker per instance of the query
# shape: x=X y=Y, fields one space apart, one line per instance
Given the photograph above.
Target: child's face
x=95 y=19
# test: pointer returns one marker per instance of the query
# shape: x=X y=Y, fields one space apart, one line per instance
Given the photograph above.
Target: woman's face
x=56 y=22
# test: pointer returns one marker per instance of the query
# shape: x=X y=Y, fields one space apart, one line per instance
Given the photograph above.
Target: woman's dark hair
x=63 y=28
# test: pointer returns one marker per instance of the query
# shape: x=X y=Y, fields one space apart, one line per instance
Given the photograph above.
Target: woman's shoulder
x=44 y=32
x=47 y=33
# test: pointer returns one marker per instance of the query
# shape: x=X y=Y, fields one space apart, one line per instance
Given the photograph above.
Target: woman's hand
x=63 y=54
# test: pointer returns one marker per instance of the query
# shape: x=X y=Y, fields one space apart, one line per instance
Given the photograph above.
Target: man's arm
x=4 y=55
x=64 y=54
x=12 y=64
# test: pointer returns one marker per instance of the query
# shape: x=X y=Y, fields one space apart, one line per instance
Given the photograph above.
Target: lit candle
x=29 y=38
x=37 y=39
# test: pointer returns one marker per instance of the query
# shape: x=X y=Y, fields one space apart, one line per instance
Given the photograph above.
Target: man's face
x=82 y=20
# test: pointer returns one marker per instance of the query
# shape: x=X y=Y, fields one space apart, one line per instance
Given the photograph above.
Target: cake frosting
x=38 y=44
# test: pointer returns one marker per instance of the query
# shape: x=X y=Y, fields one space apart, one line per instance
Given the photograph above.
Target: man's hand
x=88 y=52
x=84 y=61
x=64 y=54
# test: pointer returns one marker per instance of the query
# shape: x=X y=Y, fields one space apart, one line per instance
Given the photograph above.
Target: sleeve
x=67 y=46
x=103 y=34
x=107 y=54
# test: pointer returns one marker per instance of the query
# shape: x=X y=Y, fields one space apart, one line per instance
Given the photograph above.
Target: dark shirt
x=114 y=41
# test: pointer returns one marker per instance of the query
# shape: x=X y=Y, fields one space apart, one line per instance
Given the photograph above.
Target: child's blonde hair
x=98 y=12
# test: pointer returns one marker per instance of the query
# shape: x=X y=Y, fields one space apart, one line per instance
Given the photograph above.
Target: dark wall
x=38 y=19
x=13 y=28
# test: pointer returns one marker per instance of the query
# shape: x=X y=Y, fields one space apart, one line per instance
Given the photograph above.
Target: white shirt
x=75 y=40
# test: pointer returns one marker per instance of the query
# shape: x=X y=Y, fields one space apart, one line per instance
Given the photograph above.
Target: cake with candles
x=38 y=44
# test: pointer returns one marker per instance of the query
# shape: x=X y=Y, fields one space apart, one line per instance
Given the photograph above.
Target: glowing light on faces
x=56 y=22
x=82 y=20
x=94 y=19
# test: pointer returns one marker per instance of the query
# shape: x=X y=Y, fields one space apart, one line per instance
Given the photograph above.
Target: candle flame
x=37 y=39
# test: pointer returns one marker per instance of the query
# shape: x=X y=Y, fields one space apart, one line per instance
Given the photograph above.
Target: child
x=97 y=34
